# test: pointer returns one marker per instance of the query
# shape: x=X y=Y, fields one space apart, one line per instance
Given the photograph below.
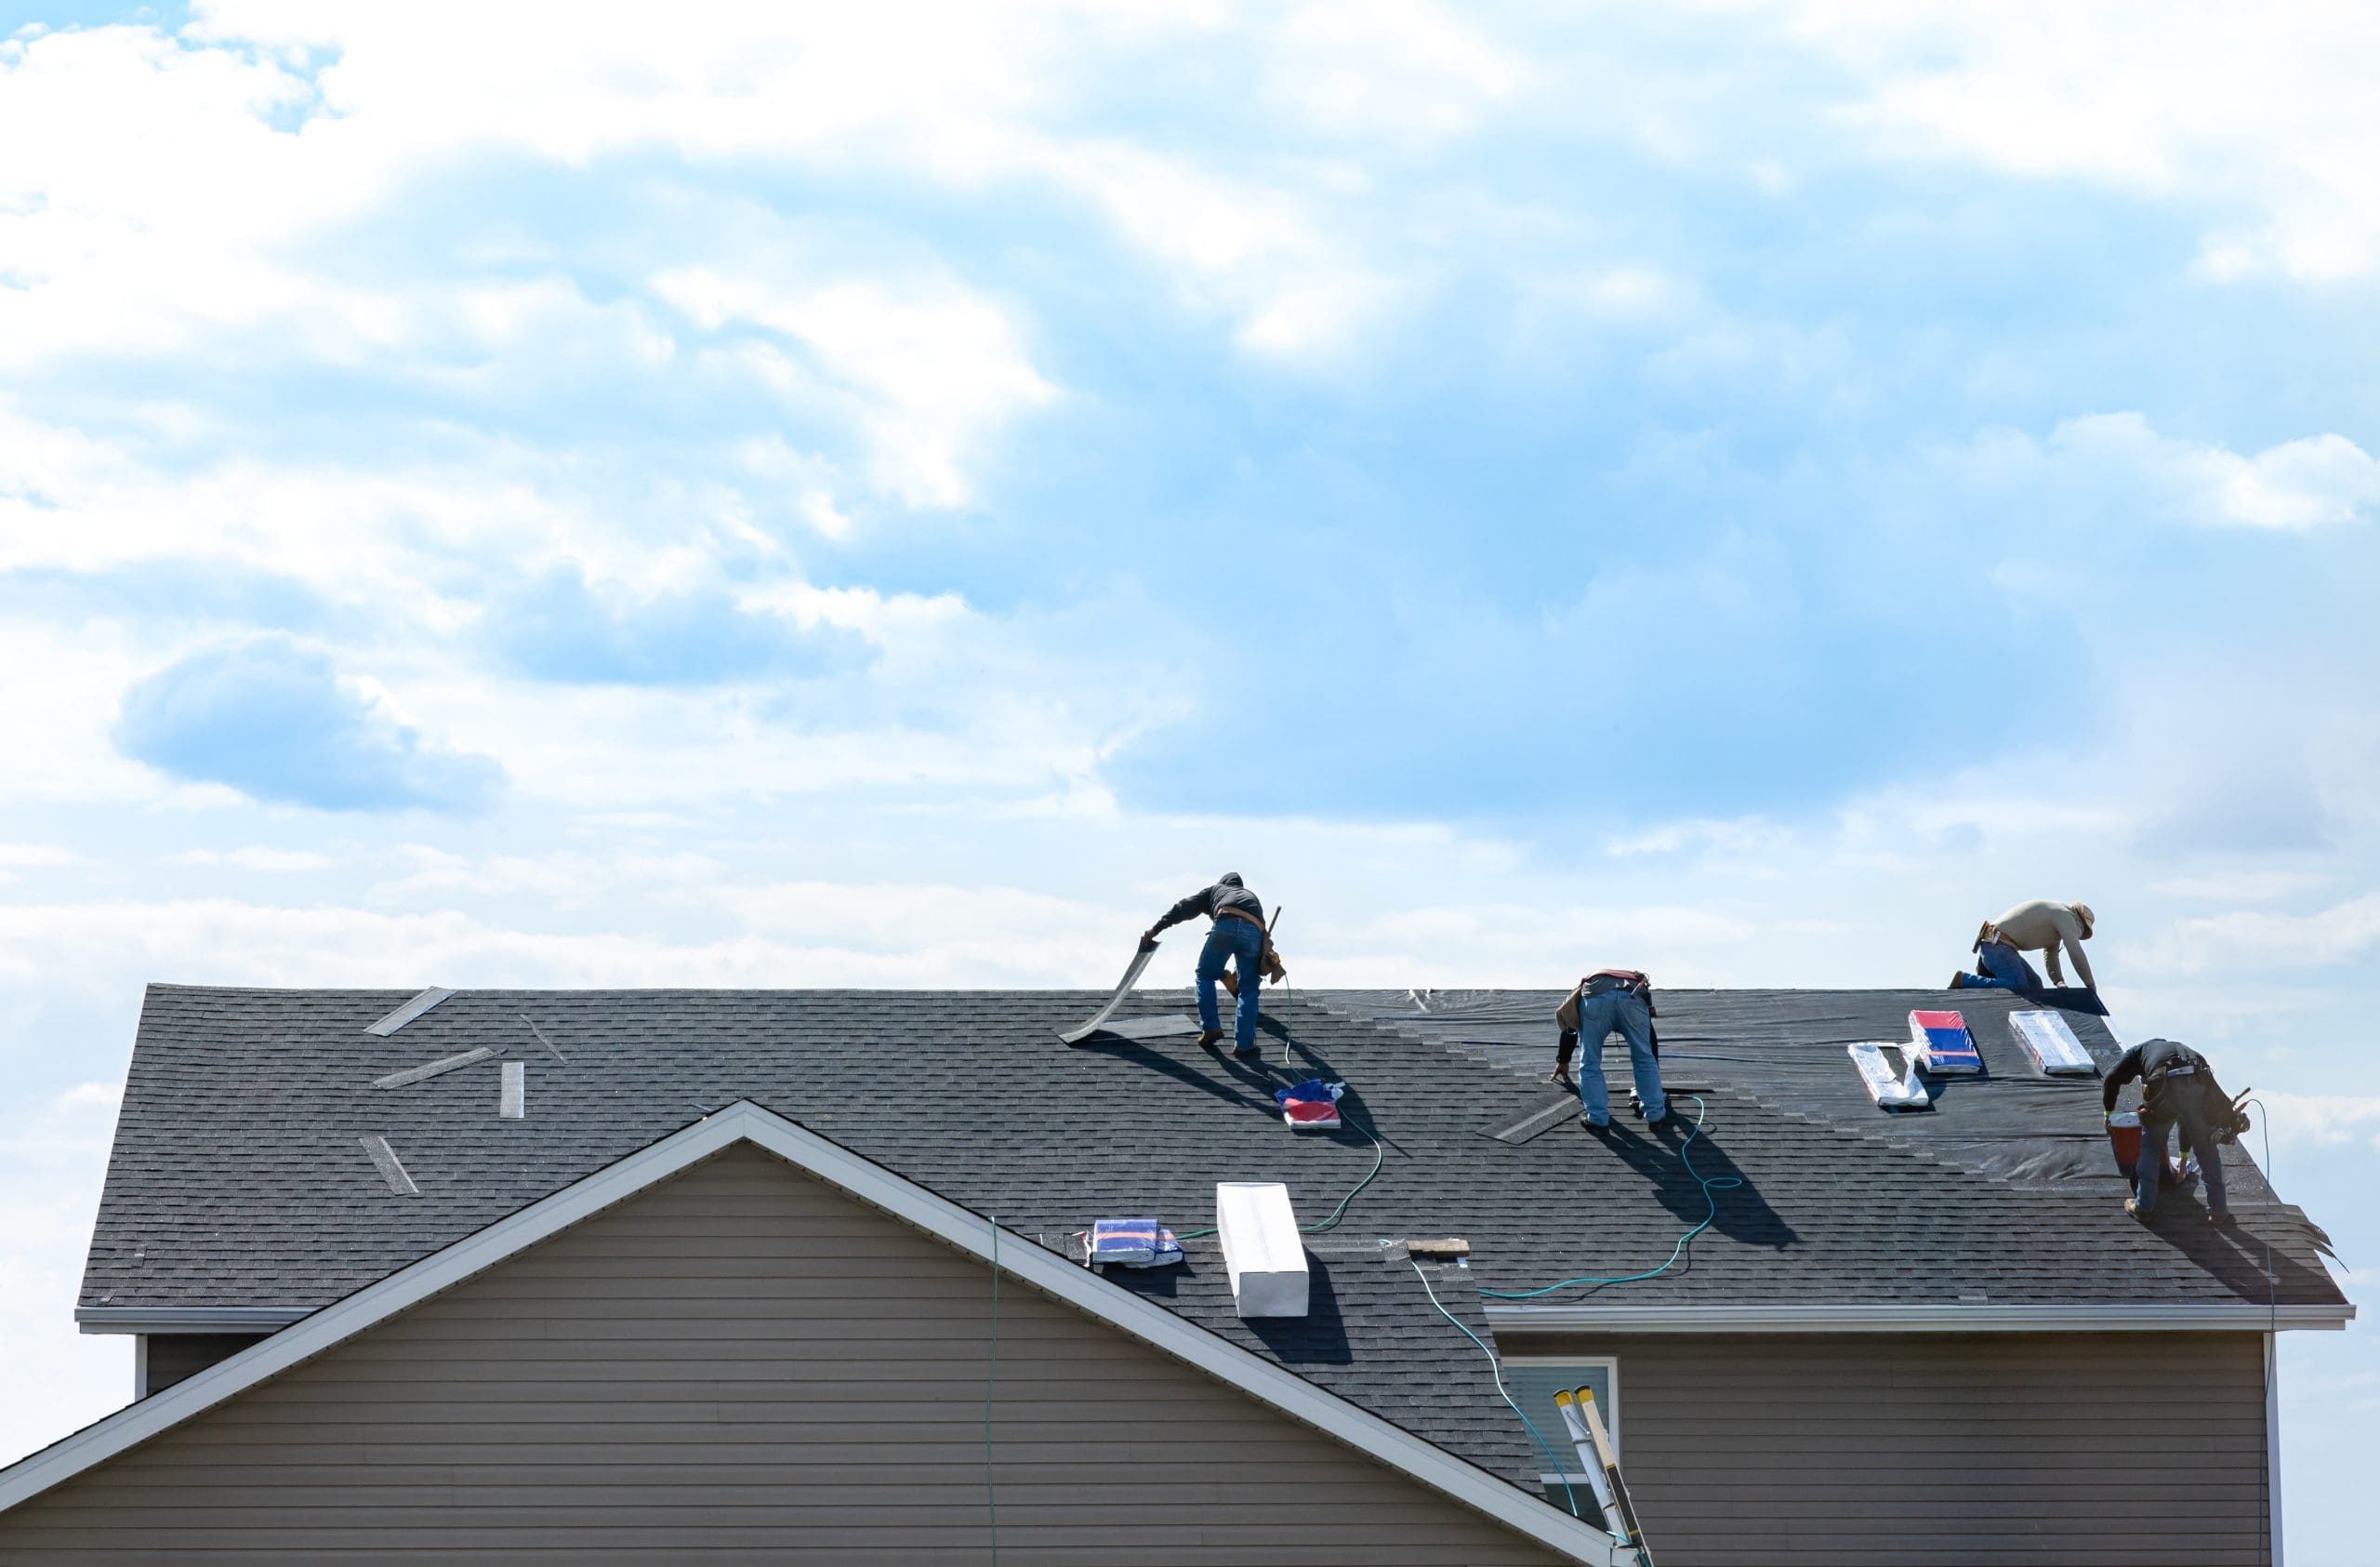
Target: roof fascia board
x=878 y=1187
x=188 y=1319
x=1966 y=1318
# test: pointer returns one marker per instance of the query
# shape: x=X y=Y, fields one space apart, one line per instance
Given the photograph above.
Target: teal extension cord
x=1709 y=1184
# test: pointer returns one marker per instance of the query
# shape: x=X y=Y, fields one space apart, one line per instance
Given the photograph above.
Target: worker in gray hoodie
x=2038 y=926
x=1238 y=938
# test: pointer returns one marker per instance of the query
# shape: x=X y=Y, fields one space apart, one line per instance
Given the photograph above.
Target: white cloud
x=2120 y=462
x=2266 y=113
x=53 y=1155
x=258 y=858
x=936 y=368
x=1396 y=69
x=2260 y=940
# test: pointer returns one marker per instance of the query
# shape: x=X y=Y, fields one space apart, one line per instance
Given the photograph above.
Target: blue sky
x=501 y=495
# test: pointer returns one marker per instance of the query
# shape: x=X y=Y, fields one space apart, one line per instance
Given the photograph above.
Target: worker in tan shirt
x=2038 y=926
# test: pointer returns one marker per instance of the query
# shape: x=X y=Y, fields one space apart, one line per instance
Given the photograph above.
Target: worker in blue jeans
x=1237 y=937
x=1614 y=1001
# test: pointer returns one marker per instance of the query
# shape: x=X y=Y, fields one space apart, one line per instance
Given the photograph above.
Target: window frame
x=1610 y=1366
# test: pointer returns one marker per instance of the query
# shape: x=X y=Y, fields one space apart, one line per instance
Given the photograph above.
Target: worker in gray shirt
x=2038 y=926
x=2177 y=1089
x=1238 y=936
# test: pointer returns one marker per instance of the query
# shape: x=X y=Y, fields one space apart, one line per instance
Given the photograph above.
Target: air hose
x=1709 y=1184
x=1495 y=1369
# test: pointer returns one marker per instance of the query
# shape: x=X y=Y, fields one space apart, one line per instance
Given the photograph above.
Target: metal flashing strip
x=410 y=1011
x=188 y=1319
x=1540 y=1120
x=1166 y=1027
x=1271 y=1385
x=512 y=1099
x=391 y=1168
x=423 y=1073
x=1966 y=1317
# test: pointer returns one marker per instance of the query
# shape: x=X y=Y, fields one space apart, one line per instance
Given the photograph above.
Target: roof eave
x=1964 y=1317
x=188 y=1319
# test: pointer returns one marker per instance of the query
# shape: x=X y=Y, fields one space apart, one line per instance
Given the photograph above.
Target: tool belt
x=1268 y=963
x=1988 y=932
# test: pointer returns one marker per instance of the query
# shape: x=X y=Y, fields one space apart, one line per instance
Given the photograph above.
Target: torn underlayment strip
x=391 y=1168
x=1891 y=1090
x=1123 y=988
x=432 y=1069
x=2049 y=1039
x=512 y=1099
x=410 y=1011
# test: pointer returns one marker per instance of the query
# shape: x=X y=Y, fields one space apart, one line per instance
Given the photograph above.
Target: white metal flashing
x=871 y=1183
x=391 y=1168
x=1963 y=1318
x=408 y=1012
x=140 y=1366
x=429 y=1070
x=188 y=1319
x=2272 y=1441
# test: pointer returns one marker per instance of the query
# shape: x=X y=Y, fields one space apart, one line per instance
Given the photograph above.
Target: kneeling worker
x=1237 y=936
x=2177 y=1088
x=2038 y=926
x=1610 y=1001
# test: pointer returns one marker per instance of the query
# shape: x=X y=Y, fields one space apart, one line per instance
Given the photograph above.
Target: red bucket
x=2124 y=1137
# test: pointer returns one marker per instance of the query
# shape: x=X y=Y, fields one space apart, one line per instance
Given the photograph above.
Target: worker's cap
x=1231 y=879
x=2083 y=913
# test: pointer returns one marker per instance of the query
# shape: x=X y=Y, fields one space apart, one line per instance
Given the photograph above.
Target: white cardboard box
x=1263 y=1250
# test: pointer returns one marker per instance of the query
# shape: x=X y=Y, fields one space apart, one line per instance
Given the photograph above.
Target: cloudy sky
x=577 y=494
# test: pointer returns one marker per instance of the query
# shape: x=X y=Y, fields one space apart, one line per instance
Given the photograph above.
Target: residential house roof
x=239 y=1181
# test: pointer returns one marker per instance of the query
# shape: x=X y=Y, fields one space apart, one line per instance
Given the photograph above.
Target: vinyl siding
x=1945 y=1450
x=174 y=1356
x=744 y=1365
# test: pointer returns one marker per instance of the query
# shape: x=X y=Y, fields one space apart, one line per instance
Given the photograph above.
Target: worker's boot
x=1210 y=1038
x=2132 y=1206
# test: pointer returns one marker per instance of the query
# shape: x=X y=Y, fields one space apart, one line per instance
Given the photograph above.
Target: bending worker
x=2177 y=1088
x=1237 y=935
x=2038 y=926
x=1610 y=1001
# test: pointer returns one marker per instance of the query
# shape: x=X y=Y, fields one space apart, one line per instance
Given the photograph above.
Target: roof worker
x=1237 y=935
x=2038 y=926
x=2177 y=1088
x=1610 y=1001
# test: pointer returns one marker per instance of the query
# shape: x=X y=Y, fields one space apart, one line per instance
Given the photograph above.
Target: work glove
x=1148 y=941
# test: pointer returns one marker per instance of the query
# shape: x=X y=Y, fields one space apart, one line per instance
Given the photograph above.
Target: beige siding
x=174 y=1356
x=2084 y=1450
x=744 y=1366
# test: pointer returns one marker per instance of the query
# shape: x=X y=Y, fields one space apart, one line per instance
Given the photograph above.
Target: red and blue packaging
x=1312 y=1106
x=1939 y=1042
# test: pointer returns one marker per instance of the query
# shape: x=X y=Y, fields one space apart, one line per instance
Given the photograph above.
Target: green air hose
x=1495 y=1370
x=1709 y=1184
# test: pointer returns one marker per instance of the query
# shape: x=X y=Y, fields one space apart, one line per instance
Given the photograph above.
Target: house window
x=1533 y=1384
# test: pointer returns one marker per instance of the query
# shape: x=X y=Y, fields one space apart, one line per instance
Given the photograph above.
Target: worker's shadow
x=1659 y=1154
x=1239 y=1084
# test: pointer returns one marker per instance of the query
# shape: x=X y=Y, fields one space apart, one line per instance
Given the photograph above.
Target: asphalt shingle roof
x=237 y=1177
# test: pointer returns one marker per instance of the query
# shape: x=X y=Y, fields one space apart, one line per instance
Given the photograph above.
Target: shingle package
x=1130 y=1243
x=1891 y=1091
x=2049 y=1039
x=1939 y=1042
x=1311 y=1105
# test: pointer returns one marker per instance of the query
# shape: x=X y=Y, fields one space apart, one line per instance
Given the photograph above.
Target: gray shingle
x=237 y=1177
